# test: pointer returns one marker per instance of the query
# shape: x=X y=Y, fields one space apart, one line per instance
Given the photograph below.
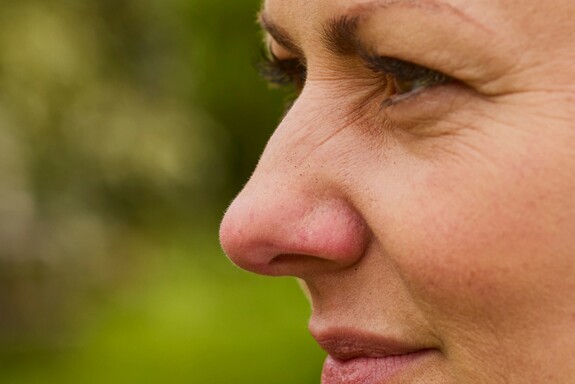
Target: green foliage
x=125 y=128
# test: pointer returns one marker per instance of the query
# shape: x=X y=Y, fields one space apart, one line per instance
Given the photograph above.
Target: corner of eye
x=487 y=79
x=491 y=87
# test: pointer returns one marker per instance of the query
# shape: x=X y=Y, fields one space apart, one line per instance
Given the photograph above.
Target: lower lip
x=368 y=370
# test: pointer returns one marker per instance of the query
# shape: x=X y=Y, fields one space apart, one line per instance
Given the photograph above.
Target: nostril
x=302 y=265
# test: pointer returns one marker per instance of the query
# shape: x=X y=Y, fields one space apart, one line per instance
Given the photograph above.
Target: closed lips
x=363 y=358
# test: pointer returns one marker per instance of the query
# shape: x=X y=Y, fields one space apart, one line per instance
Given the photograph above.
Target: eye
x=282 y=73
x=406 y=79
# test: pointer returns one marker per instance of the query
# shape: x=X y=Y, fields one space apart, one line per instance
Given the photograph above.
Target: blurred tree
x=126 y=126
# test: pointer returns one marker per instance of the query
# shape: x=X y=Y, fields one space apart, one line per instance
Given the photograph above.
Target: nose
x=292 y=222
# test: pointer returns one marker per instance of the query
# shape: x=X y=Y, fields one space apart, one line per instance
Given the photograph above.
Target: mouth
x=363 y=358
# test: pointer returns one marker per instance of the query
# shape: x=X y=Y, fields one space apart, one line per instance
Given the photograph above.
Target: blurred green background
x=126 y=127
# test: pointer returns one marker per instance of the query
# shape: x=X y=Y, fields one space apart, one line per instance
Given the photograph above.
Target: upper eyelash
x=404 y=70
x=281 y=72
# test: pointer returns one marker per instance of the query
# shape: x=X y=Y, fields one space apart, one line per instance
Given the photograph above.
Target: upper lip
x=347 y=344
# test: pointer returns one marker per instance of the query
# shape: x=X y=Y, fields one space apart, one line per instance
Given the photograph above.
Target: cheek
x=473 y=240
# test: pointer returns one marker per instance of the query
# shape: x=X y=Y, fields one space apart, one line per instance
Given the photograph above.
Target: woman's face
x=422 y=186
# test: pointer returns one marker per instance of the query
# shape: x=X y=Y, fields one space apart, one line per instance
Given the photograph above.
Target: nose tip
x=283 y=233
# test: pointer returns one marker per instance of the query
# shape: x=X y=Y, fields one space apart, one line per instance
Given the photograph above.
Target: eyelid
x=403 y=69
x=279 y=51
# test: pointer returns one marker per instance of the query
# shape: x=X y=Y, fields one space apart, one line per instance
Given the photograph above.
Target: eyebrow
x=339 y=34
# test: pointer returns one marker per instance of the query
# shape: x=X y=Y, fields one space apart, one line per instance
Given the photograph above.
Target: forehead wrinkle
x=365 y=10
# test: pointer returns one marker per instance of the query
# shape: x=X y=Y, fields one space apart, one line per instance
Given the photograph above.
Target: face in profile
x=422 y=187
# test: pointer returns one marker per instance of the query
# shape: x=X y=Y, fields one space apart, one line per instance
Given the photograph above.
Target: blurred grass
x=126 y=126
x=185 y=319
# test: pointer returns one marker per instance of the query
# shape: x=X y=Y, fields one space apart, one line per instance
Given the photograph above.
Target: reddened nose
x=290 y=232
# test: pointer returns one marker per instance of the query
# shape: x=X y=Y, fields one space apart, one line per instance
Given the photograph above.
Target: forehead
x=545 y=21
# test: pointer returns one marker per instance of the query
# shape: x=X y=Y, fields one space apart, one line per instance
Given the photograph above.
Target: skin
x=445 y=220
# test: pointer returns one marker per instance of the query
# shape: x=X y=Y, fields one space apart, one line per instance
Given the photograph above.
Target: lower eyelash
x=398 y=98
